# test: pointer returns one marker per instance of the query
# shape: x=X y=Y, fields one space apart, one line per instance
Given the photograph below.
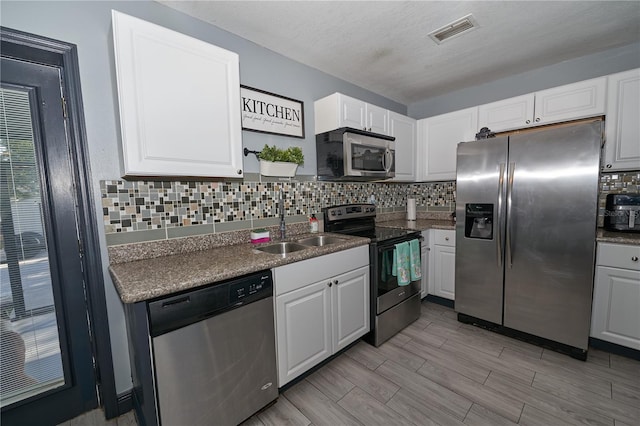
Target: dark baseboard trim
x=125 y=402
x=614 y=348
x=440 y=301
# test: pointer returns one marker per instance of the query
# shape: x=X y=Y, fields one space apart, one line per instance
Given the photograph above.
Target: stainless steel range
x=393 y=306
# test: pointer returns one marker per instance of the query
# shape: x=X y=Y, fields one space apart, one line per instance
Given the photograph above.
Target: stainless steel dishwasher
x=214 y=352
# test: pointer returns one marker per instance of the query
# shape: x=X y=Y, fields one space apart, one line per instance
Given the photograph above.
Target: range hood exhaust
x=455 y=28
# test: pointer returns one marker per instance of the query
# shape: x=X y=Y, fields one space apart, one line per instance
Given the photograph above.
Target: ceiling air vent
x=454 y=29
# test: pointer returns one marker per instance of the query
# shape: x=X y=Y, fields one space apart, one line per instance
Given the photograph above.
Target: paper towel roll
x=411 y=209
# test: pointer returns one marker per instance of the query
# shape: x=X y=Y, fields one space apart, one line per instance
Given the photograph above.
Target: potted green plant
x=276 y=161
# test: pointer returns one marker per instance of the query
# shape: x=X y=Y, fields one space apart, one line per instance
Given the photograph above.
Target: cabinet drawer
x=619 y=256
x=299 y=274
x=444 y=237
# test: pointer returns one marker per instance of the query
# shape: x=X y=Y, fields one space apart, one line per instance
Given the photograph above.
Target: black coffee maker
x=622 y=212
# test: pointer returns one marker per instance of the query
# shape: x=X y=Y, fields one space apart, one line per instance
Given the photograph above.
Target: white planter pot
x=277 y=168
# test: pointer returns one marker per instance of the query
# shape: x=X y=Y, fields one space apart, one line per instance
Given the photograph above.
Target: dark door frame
x=29 y=47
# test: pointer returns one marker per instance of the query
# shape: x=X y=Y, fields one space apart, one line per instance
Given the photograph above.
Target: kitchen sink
x=283 y=248
x=320 y=240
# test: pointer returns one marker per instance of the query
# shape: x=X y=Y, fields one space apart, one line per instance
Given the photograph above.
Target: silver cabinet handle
x=609 y=166
x=329 y=283
x=634 y=258
x=239 y=171
x=538 y=120
x=512 y=169
x=336 y=282
x=499 y=215
x=528 y=122
x=446 y=238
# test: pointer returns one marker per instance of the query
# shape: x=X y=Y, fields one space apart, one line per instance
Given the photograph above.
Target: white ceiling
x=383 y=46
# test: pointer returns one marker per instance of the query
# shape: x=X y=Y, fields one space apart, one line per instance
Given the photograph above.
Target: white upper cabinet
x=338 y=110
x=622 y=146
x=404 y=130
x=179 y=102
x=438 y=139
x=572 y=101
x=377 y=119
x=509 y=113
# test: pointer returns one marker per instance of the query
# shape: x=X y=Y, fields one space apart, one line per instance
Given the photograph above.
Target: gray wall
x=583 y=68
x=88 y=25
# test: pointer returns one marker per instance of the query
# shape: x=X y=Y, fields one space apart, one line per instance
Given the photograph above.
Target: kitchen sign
x=270 y=113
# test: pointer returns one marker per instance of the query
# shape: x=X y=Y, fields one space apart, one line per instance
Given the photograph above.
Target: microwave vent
x=463 y=25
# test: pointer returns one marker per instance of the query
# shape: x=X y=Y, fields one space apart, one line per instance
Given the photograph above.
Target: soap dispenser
x=313 y=223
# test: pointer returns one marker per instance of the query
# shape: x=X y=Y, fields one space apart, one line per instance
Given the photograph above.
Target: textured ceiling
x=383 y=46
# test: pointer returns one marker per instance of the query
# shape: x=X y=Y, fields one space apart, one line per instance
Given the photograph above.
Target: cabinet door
x=179 y=102
x=512 y=113
x=570 y=102
x=352 y=113
x=303 y=327
x=444 y=271
x=404 y=130
x=438 y=142
x=350 y=301
x=377 y=119
x=616 y=306
x=424 y=288
x=622 y=150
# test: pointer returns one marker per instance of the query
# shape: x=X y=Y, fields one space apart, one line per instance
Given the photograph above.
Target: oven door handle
x=385 y=246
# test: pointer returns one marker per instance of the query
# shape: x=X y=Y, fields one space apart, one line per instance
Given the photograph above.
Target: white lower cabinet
x=616 y=296
x=443 y=267
x=350 y=314
x=425 y=259
x=322 y=306
x=303 y=320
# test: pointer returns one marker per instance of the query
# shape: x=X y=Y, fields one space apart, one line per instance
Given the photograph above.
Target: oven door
x=368 y=156
x=386 y=287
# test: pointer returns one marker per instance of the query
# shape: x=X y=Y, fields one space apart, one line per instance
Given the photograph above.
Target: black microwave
x=352 y=154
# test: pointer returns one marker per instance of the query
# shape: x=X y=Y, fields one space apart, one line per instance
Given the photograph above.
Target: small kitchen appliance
x=393 y=306
x=622 y=212
x=352 y=154
x=527 y=207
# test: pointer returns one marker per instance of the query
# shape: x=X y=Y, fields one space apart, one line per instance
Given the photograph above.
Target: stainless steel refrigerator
x=526 y=213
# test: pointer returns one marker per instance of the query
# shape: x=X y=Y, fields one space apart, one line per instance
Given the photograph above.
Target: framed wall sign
x=270 y=113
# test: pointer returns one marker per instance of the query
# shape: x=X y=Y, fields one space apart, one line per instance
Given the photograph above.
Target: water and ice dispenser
x=478 y=221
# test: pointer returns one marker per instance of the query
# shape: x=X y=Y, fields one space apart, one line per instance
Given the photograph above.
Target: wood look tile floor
x=441 y=372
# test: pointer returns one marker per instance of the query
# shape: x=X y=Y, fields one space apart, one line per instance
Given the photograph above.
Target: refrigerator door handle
x=512 y=169
x=499 y=215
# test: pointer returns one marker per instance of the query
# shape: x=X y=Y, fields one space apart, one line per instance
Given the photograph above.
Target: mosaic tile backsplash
x=148 y=205
x=173 y=208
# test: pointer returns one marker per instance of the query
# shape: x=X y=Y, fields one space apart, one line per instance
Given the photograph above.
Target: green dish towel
x=401 y=264
x=416 y=267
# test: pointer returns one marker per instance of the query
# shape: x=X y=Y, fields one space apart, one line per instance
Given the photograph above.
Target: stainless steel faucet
x=283 y=229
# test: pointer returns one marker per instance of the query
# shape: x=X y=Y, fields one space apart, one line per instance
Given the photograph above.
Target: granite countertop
x=632 y=238
x=150 y=278
x=419 y=224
